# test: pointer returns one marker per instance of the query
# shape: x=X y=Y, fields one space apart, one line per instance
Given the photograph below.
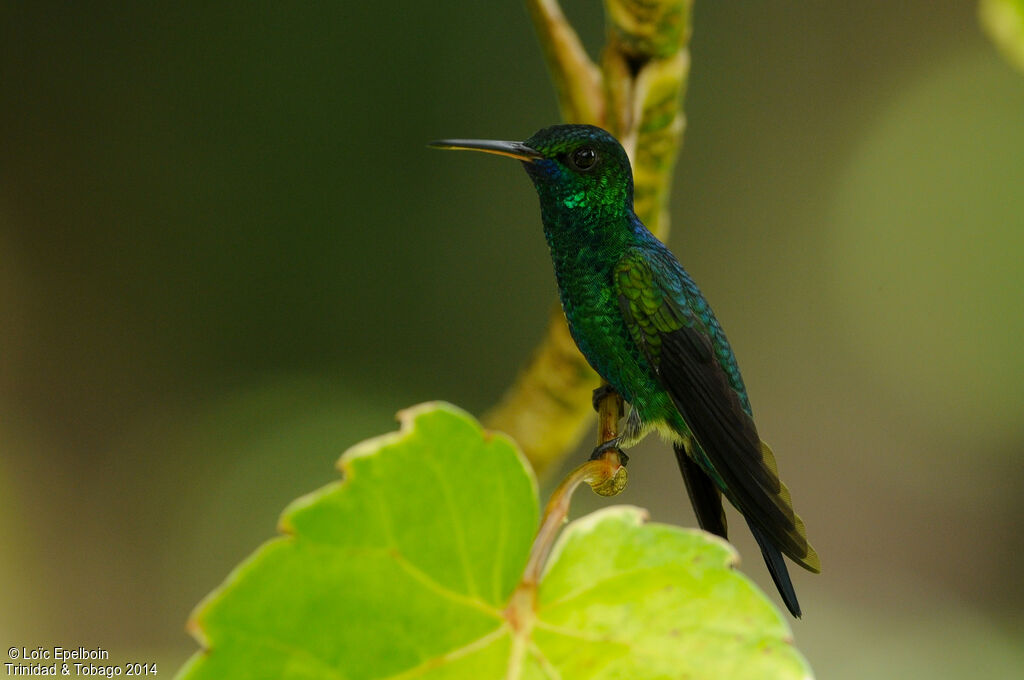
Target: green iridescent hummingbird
x=642 y=323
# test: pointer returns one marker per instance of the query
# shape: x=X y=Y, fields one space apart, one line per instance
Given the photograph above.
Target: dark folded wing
x=676 y=331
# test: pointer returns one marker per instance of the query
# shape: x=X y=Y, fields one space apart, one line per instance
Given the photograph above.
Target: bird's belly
x=597 y=327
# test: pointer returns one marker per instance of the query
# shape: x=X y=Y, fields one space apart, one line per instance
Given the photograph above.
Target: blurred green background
x=226 y=255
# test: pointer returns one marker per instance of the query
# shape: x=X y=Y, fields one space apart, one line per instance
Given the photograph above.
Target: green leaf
x=625 y=599
x=1003 y=20
x=409 y=569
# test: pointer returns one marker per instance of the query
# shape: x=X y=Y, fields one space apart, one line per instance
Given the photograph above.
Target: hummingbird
x=644 y=326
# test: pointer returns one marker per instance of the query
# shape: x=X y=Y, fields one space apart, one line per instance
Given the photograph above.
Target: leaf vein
x=460 y=530
x=449 y=657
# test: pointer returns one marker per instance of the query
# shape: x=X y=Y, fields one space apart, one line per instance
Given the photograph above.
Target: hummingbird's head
x=581 y=166
x=575 y=168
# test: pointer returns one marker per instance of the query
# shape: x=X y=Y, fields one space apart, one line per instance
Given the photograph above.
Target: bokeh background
x=226 y=255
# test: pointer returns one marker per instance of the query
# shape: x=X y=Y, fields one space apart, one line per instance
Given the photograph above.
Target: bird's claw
x=608 y=446
x=599 y=394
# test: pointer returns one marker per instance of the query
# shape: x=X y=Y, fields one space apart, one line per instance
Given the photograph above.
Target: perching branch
x=607 y=476
x=636 y=95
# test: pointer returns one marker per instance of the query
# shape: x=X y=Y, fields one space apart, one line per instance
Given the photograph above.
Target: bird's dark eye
x=583 y=158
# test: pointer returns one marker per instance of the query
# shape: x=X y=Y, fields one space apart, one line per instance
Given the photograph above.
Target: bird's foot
x=608 y=447
x=600 y=393
x=612 y=461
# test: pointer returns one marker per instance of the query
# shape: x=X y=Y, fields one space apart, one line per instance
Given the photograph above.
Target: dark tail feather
x=704 y=495
x=707 y=505
x=777 y=568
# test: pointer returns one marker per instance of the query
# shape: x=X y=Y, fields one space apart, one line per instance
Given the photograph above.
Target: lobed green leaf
x=406 y=569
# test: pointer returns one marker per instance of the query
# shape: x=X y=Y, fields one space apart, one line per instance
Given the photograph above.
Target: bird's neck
x=594 y=232
x=585 y=246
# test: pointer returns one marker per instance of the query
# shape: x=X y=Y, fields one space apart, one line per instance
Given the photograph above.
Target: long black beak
x=516 y=150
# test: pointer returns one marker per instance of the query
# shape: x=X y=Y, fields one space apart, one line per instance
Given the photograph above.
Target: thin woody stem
x=609 y=412
x=521 y=611
x=594 y=473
